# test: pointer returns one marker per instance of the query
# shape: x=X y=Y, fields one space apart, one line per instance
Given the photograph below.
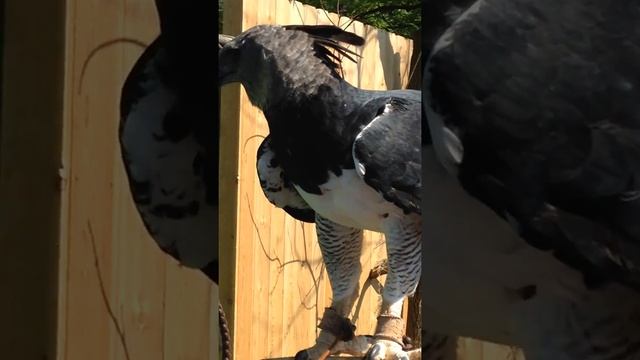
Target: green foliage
x=220 y=17
x=402 y=17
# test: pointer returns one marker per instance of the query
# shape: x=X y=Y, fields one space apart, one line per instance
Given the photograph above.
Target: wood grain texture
x=127 y=290
x=30 y=123
x=228 y=176
x=281 y=287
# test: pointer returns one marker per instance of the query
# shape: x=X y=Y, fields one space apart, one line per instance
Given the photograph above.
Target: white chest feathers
x=349 y=201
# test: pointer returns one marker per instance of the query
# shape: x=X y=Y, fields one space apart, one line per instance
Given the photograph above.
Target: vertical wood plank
x=140 y=272
x=277 y=303
x=230 y=105
x=276 y=324
x=187 y=314
x=161 y=309
x=65 y=161
x=139 y=266
x=89 y=184
x=30 y=147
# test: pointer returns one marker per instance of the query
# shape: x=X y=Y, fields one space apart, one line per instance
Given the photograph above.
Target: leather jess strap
x=390 y=328
x=340 y=326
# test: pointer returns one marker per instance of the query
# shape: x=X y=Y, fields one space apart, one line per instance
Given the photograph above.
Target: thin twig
x=281 y=265
x=383 y=9
x=326 y=13
x=315 y=282
x=103 y=292
x=381 y=268
x=295 y=3
x=275 y=258
x=305 y=263
x=306 y=257
x=264 y=250
x=417 y=64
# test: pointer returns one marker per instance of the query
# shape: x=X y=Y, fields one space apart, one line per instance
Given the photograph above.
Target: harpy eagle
x=168 y=133
x=532 y=179
x=348 y=159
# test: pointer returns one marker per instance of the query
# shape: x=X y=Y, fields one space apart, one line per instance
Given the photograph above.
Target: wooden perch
x=381 y=268
x=413 y=355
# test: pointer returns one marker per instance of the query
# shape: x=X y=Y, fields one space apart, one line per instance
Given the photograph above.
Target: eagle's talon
x=374 y=353
x=312 y=354
x=322 y=349
x=339 y=326
x=386 y=350
x=408 y=343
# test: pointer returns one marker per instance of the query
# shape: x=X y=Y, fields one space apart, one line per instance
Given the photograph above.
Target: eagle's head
x=250 y=59
x=268 y=58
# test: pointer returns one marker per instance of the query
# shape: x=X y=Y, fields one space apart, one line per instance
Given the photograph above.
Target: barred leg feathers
x=341 y=248
x=404 y=252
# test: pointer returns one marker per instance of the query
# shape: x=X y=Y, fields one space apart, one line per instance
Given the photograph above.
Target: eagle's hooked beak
x=223 y=40
x=226 y=65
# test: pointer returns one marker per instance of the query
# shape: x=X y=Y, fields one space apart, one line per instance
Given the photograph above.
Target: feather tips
x=327 y=38
x=329 y=32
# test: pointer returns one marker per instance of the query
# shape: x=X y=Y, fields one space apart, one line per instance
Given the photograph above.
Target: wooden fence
x=273 y=280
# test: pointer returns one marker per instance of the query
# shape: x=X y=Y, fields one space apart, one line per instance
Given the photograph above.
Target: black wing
x=326 y=39
x=543 y=96
x=328 y=32
x=277 y=189
x=387 y=152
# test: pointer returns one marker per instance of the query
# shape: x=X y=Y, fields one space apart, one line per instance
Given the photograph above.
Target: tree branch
x=385 y=8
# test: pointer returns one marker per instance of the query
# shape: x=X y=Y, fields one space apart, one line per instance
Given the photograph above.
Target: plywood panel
x=281 y=287
x=30 y=124
x=188 y=312
x=137 y=302
x=230 y=100
x=90 y=225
